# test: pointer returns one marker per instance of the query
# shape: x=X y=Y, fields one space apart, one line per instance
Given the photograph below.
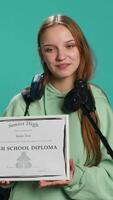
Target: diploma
x=34 y=148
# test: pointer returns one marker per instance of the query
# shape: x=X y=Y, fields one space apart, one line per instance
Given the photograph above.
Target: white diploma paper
x=34 y=148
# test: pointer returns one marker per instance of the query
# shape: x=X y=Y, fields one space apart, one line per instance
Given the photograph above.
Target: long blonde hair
x=84 y=71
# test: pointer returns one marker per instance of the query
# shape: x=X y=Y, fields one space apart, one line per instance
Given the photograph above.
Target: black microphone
x=78 y=96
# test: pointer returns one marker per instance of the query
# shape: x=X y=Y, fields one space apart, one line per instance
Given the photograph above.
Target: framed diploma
x=34 y=148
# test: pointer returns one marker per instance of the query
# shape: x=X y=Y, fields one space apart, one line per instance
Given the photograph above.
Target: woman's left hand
x=45 y=183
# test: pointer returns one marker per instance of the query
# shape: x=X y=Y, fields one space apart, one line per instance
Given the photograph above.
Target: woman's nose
x=61 y=55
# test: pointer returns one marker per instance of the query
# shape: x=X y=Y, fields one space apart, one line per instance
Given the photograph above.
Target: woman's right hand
x=3 y=183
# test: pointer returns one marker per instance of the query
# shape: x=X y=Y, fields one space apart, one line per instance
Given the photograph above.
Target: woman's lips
x=62 y=66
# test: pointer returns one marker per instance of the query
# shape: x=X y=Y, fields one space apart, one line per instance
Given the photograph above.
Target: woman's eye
x=69 y=46
x=49 y=50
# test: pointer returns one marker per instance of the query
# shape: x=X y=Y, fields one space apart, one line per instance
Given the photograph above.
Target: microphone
x=78 y=97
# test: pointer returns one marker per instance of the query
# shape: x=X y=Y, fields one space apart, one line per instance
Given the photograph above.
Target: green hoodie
x=89 y=183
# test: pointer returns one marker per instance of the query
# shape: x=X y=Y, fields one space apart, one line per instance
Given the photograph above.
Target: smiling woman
x=66 y=58
x=60 y=54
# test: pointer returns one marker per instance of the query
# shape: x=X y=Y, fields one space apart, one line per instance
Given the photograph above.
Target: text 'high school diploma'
x=34 y=148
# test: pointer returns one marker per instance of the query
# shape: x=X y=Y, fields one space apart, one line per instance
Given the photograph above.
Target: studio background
x=19 y=23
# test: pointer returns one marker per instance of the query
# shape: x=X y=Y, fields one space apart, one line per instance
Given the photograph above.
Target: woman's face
x=59 y=52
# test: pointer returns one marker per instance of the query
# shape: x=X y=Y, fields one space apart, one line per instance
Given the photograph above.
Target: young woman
x=66 y=57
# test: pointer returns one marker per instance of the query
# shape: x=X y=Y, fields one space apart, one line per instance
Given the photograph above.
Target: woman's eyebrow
x=49 y=44
x=70 y=41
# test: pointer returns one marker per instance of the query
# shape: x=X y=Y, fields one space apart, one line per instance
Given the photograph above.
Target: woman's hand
x=45 y=183
x=4 y=183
